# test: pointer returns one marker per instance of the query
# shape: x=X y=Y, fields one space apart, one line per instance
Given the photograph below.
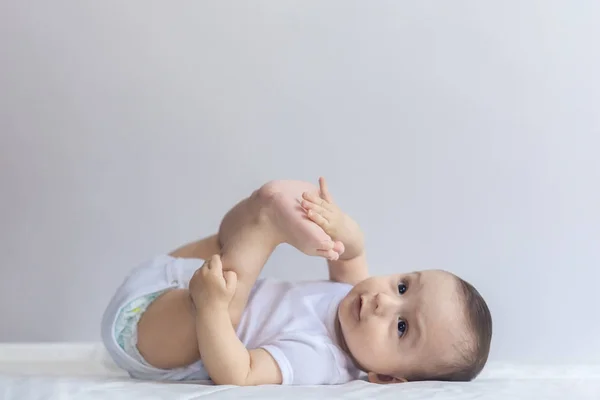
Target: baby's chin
x=342 y=342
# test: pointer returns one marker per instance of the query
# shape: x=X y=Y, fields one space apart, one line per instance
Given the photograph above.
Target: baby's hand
x=211 y=287
x=321 y=209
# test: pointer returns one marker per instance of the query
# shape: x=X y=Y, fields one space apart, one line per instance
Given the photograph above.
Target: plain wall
x=461 y=135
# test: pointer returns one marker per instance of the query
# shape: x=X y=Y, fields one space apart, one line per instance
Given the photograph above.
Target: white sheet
x=83 y=371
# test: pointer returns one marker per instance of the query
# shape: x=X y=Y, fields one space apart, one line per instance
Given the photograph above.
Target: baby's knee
x=287 y=188
x=268 y=190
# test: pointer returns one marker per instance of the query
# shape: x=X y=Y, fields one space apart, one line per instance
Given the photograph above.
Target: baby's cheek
x=373 y=355
x=371 y=340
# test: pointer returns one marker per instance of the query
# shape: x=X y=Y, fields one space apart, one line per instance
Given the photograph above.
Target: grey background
x=461 y=135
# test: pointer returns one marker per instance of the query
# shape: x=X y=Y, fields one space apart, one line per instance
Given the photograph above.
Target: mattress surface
x=84 y=371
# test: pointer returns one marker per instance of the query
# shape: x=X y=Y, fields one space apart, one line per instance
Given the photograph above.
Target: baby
x=197 y=315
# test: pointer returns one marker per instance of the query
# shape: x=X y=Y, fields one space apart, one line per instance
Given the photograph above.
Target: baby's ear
x=384 y=379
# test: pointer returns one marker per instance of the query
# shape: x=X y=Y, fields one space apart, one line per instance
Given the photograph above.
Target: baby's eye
x=402 y=327
x=402 y=288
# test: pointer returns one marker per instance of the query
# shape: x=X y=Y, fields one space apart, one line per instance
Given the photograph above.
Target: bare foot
x=281 y=201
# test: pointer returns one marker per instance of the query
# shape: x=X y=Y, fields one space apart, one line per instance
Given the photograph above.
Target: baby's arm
x=350 y=271
x=352 y=266
x=226 y=359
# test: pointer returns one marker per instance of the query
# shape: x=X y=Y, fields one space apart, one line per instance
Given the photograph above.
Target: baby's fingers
x=215 y=265
x=318 y=219
x=325 y=190
x=230 y=281
x=315 y=199
x=308 y=206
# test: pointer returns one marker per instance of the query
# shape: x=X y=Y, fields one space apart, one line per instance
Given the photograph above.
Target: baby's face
x=402 y=325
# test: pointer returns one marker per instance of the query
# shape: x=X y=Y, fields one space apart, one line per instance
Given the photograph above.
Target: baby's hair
x=480 y=318
x=472 y=353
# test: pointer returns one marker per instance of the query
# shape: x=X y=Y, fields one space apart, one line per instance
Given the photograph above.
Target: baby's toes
x=326 y=245
x=328 y=254
x=338 y=247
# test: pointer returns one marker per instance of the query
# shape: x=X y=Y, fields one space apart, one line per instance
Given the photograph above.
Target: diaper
x=126 y=324
x=141 y=287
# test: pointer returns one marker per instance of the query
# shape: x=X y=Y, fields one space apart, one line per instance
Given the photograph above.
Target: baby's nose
x=386 y=304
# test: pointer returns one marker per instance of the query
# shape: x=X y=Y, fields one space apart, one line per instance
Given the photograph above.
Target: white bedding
x=83 y=371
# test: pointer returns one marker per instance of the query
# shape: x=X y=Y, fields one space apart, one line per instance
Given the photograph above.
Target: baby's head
x=427 y=325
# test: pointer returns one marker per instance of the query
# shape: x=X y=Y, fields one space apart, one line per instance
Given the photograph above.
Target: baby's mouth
x=359 y=305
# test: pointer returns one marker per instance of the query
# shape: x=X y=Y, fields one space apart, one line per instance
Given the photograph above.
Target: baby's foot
x=282 y=200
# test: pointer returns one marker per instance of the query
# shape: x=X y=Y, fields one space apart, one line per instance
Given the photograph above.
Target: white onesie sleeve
x=305 y=359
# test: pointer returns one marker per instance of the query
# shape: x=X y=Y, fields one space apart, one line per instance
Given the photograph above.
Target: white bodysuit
x=294 y=322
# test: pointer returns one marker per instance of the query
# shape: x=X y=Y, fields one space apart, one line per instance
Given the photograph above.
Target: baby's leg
x=204 y=249
x=257 y=225
x=248 y=234
x=283 y=198
x=166 y=334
